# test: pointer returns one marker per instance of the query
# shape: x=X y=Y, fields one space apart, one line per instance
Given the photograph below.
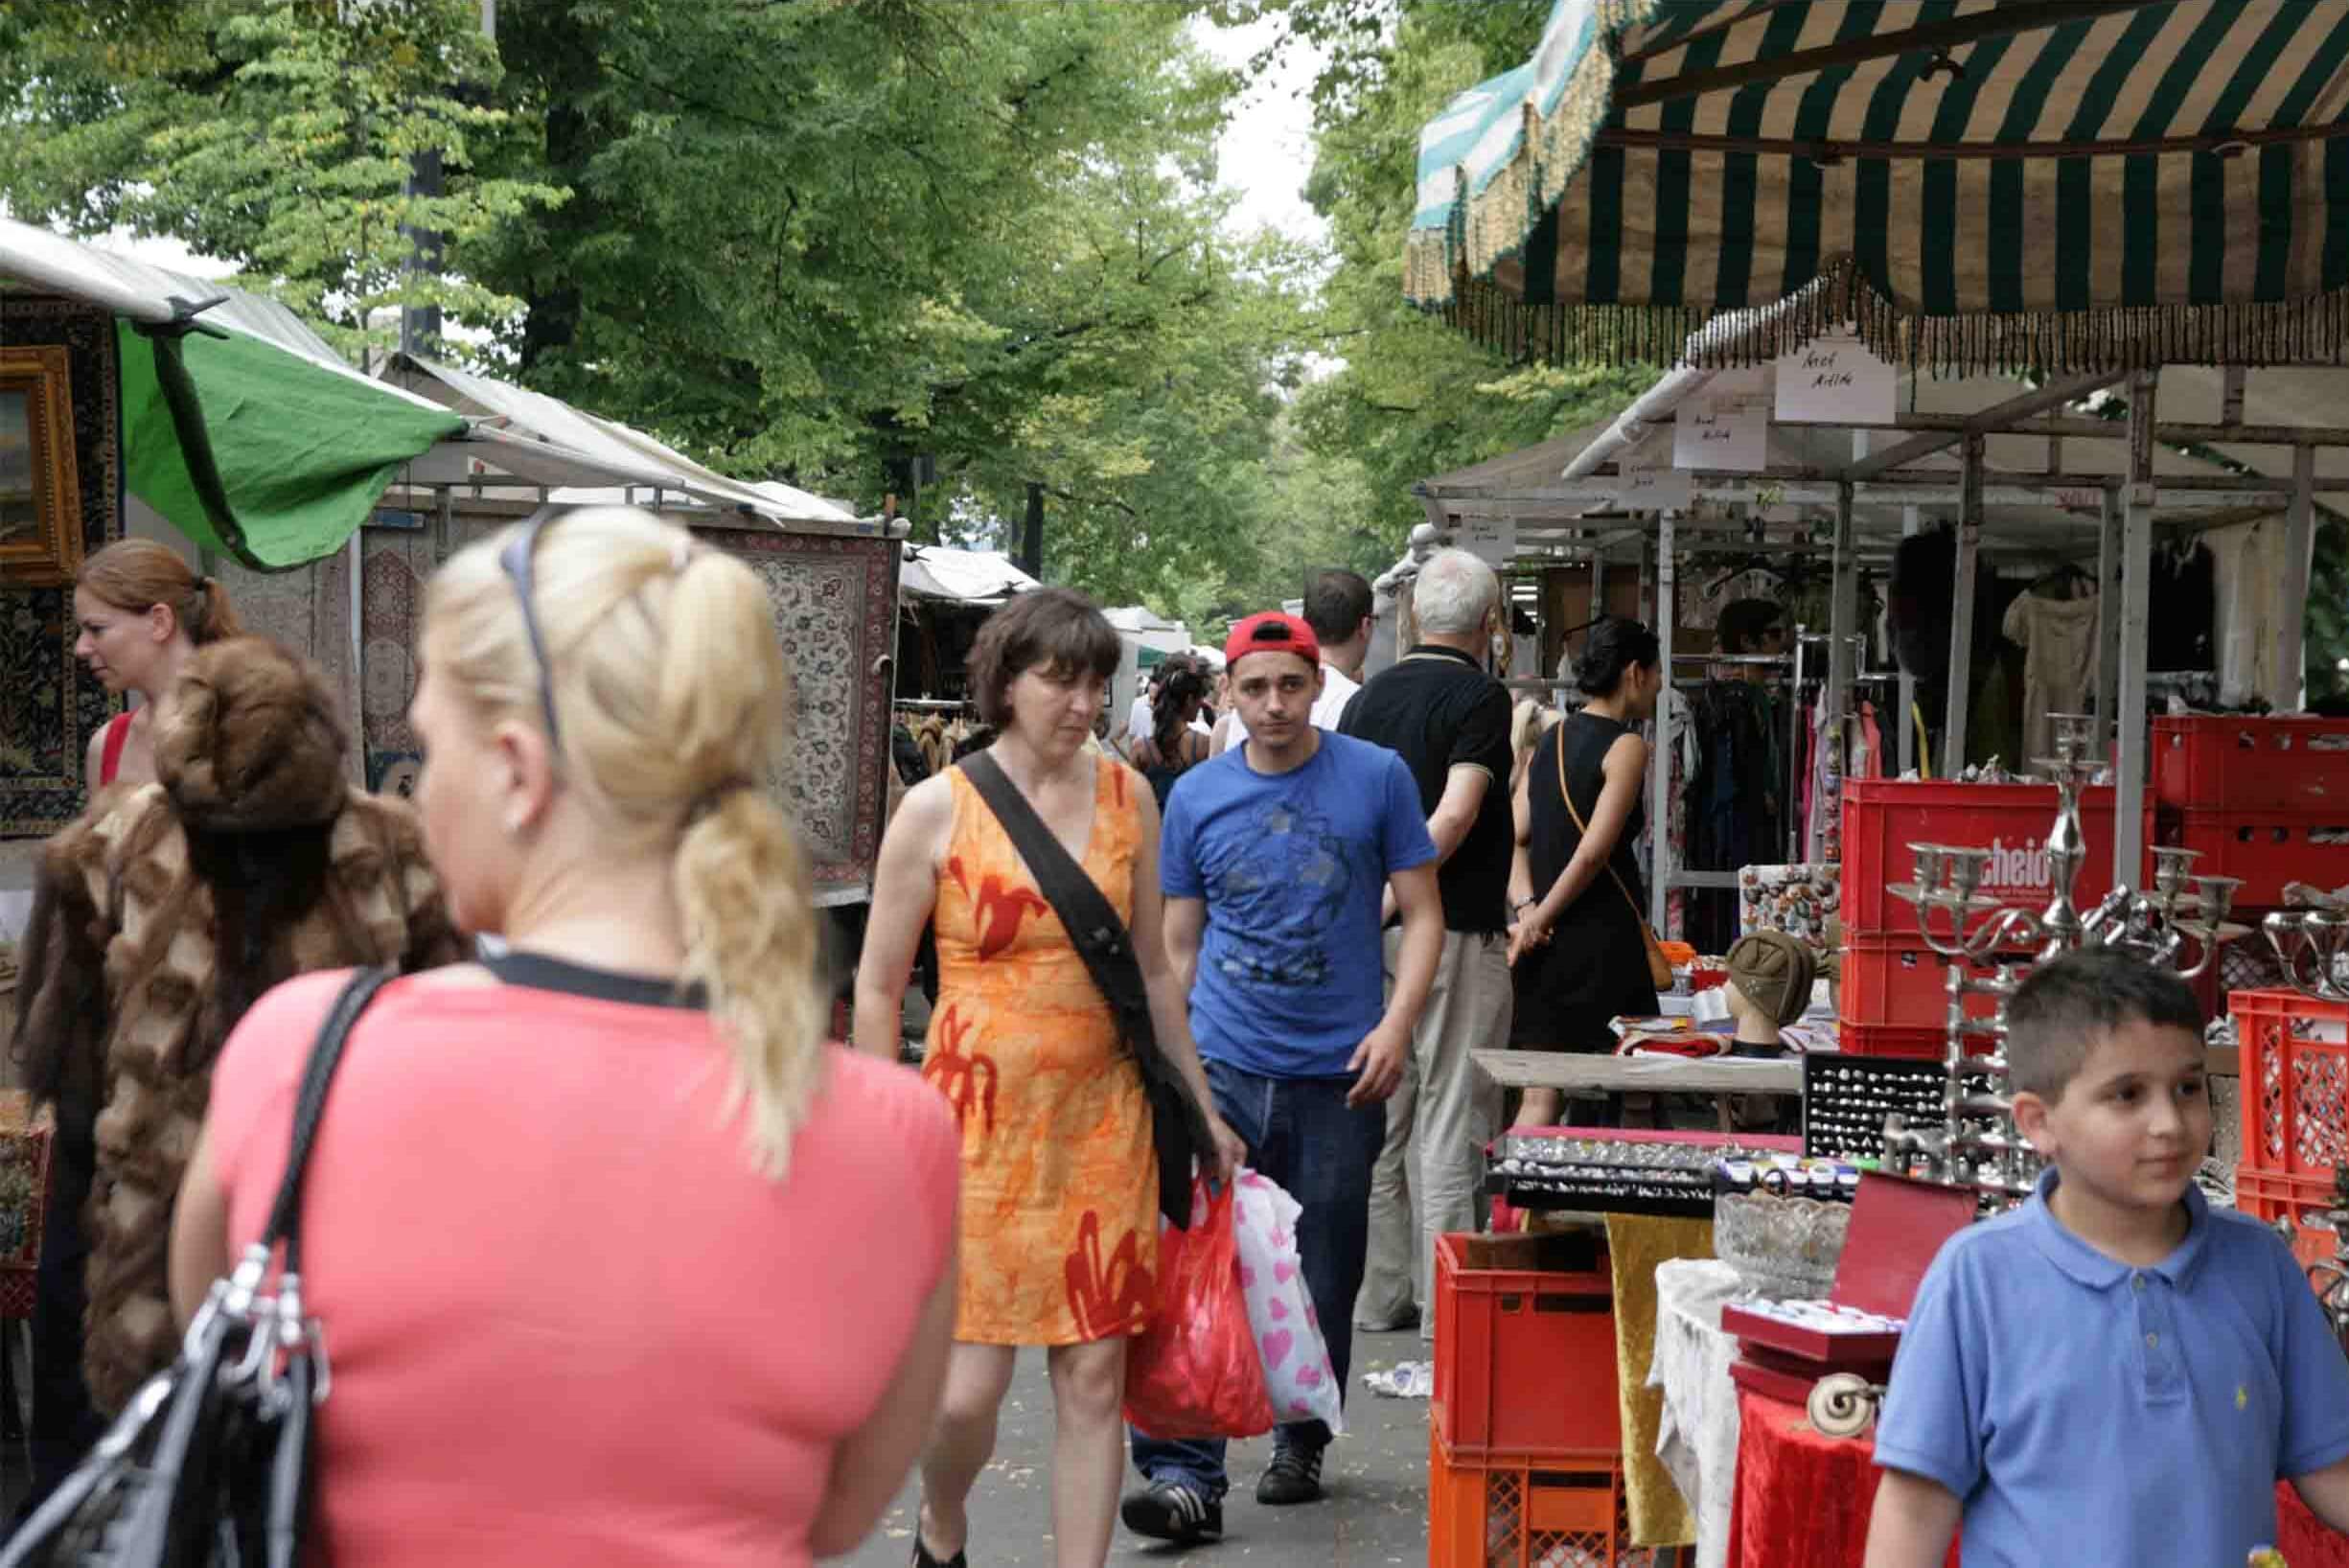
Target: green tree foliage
x=277 y=135
x=796 y=239
x=1414 y=397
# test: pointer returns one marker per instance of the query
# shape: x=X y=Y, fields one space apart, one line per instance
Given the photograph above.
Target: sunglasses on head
x=515 y=559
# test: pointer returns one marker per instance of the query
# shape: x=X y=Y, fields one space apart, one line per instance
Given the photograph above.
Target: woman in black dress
x=1576 y=949
x=1173 y=747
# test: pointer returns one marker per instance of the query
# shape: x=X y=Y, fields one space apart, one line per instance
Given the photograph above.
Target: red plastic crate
x=1896 y=1040
x=1510 y=1515
x=2295 y=1078
x=2227 y=762
x=1883 y=816
x=2263 y=848
x=1899 y=981
x=1525 y=1361
x=2305 y=1201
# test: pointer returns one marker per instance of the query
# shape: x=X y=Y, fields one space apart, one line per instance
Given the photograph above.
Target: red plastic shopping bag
x=1194 y=1372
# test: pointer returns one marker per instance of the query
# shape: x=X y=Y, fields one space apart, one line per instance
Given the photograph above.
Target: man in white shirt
x=1338 y=608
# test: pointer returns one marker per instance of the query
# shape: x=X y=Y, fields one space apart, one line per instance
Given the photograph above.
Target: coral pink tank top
x=568 y=1322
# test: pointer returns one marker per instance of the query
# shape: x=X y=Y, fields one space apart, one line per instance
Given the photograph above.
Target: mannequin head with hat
x=1770 y=976
x=1275 y=665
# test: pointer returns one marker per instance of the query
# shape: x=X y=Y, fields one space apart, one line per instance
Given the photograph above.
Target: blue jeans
x=1301 y=1134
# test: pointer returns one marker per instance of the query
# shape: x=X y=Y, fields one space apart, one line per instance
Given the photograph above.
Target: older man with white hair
x=1449 y=720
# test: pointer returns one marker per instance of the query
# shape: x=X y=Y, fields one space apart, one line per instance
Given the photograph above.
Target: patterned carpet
x=833 y=606
x=49 y=705
x=835 y=602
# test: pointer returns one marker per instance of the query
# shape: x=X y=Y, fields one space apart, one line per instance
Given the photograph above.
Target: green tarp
x=256 y=452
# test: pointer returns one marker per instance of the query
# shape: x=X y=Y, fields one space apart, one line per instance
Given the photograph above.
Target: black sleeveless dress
x=1595 y=967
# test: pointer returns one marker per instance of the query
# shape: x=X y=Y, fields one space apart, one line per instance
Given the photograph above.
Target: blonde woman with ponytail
x=592 y=1221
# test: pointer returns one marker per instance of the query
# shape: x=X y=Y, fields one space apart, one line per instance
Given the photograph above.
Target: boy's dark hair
x=1057 y=627
x=1337 y=602
x=2065 y=1003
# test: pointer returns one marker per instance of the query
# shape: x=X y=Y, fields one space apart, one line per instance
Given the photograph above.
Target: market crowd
x=623 y=1261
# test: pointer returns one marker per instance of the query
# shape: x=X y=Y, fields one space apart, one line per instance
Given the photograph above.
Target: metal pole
x=1797 y=849
x=1843 y=608
x=1660 y=759
x=1962 y=613
x=358 y=657
x=2136 y=595
x=1911 y=522
x=2299 y=533
x=2108 y=616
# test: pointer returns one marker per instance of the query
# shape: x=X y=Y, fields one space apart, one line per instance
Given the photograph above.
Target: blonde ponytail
x=676 y=714
x=750 y=940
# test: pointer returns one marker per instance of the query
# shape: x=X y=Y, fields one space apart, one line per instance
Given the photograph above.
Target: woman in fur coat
x=159 y=917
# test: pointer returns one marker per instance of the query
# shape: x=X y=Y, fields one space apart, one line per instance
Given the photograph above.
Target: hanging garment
x=2182 y=609
x=2058 y=641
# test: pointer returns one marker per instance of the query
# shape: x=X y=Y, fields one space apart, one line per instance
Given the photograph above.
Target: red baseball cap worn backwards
x=1271 y=632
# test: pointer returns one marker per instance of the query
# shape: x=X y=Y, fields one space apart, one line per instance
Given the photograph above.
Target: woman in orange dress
x=1059 y=1179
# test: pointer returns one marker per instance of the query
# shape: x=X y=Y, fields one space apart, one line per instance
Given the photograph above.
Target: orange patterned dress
x=1059 y=1185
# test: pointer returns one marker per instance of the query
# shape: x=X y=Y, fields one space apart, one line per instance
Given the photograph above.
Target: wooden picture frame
x=40 y=488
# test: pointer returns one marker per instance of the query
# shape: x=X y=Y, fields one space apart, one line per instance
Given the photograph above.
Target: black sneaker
x=1169 y=1511
x=1294 y=1476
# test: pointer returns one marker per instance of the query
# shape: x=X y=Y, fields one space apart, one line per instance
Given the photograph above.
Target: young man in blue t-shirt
x=1275 y=858
x=2115 y=1372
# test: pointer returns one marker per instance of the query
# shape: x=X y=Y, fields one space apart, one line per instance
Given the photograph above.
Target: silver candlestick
x=2299 y=935
x=1977 y=1145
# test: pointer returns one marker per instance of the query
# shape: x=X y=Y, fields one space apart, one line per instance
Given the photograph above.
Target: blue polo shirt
x=2087 y=1412
x=1293 y=867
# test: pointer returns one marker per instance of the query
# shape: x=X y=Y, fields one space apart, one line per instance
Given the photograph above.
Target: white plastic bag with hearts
x=1297 y=1371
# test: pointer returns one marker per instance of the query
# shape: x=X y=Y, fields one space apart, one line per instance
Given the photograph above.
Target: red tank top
x=110 y=755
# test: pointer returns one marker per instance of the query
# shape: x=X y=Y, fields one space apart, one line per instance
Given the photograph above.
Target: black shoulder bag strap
x=1177 y=1124
x=309 y=1107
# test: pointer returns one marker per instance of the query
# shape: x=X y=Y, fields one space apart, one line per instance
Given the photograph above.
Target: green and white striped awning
x=1979 y=184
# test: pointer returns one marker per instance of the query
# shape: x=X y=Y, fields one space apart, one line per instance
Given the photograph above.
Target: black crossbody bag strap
x=1100 y=939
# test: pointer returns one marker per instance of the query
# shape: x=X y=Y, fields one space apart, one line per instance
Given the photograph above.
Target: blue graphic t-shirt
x=1293 y=867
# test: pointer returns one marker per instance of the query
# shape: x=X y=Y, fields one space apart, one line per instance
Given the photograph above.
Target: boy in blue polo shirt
x=2113 y=1373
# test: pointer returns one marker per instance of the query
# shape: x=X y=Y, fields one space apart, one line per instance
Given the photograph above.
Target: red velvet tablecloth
x=1802 y=1498
x=2302 y=1538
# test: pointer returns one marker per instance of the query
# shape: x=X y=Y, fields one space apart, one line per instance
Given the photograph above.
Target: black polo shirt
x=1439 y=710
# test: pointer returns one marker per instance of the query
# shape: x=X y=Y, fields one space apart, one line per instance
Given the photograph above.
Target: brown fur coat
x=162 y=914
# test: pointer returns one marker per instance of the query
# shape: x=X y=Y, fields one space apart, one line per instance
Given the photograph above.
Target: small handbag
x=1178 y=1126
x=209 y=1465
x=1659 y=967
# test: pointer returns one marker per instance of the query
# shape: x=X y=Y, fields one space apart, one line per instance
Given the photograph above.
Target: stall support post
x=1659 y=759
x=2299 y=534
x=1912 y=521
x=2108 y=624
x=1962 y=613
x=2137 y=594
x=1843 y=608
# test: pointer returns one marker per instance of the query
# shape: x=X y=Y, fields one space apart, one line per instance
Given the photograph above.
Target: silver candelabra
x=1989 y=948
x=2299 y=935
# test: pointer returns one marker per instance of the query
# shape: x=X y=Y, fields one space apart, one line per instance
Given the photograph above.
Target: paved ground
x=1375 y=1513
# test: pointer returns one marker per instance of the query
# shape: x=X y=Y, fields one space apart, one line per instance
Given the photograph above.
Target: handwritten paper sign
x=1725 y=430
x=1490 y=540
x=1655 y=490
x=1836 y=379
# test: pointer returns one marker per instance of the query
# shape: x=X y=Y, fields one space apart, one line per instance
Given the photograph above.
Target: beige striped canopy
x=1979 y=184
